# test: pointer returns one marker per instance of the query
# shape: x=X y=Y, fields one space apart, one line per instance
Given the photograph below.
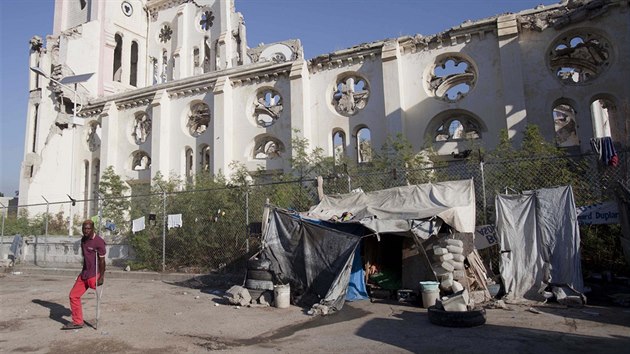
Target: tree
x=115 y=202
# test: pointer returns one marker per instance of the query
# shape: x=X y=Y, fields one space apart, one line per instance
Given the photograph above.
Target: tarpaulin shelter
x=540 y=242
x=315 y=256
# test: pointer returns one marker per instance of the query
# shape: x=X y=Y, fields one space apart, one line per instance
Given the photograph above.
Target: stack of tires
x=259 y=279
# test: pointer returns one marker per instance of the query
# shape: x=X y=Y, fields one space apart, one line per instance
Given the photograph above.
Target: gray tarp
x=540 y=242
x=400 y=209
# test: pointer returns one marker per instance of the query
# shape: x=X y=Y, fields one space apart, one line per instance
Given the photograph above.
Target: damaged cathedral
x=172 y=87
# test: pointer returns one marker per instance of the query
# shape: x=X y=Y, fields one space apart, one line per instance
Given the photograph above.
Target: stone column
x=300 y=101
x=223 y=127
x=392 y=91
x=110 y=140
x=512 y=77
x=161 y=140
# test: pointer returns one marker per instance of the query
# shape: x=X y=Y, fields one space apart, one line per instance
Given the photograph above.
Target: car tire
x=471 y=318
x=258 y=264
x=259 y=284
x=257 y=274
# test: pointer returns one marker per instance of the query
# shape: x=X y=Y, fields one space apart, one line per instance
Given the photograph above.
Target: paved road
x=145 y=315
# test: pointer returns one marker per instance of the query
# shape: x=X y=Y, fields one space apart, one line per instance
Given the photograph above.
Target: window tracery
x=459 y=127
x=267 y=107
x=267 y=147
x=198 y=119
x=165 y=33
x=564 y=119
x=351 y=94
x=141 y=128
x=452 y=78
x=93 y=138
x=140 y=161
x=580 y=57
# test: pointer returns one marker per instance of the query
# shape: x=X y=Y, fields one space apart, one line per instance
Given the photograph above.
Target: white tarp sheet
x=540 y=242
x=396 y=209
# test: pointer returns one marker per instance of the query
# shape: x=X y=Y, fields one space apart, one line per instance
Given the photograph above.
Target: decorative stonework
x=140 y=161
x=198 y=119
x=141 y=128
x=93 y=136
x=451 y=78
x=165 y=33
x=206 y=19
x=267 y=107
x=267 y=148
x=350 y=94
x=457 y=127
x=134 y=103
x=579 y=57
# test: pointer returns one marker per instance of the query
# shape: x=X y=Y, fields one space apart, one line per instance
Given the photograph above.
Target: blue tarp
x=356 y=284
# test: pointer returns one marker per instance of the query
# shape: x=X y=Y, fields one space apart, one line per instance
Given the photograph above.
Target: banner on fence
x=485 y=236
x=601 y=213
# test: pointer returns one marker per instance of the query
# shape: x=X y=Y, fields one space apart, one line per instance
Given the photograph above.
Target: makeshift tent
x=540 y=242
x=315 y=256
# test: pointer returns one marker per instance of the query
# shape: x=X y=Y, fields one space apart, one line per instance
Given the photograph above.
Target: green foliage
x=116 y=203
x=601 y=249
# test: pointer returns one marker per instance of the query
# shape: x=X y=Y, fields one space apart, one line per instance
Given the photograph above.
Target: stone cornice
x=346 y=57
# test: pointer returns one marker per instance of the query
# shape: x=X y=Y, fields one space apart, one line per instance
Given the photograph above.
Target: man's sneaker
x=71 y=325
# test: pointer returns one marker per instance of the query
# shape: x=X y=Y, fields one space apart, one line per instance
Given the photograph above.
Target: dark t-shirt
x=89 y=247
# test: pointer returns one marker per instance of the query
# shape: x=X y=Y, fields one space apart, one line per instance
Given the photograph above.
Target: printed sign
x=485 y=236
x=601 y=213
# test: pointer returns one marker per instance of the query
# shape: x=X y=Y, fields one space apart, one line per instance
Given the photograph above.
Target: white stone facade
x=177 y=90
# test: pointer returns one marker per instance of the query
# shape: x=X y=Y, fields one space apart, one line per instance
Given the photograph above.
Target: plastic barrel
x=281 y=294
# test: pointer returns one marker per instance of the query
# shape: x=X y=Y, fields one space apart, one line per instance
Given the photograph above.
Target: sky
x=323 y=26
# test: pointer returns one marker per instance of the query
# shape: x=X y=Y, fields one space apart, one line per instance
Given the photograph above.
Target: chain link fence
x=219 y=229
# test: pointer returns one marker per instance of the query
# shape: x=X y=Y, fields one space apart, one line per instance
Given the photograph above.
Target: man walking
x=92 y=246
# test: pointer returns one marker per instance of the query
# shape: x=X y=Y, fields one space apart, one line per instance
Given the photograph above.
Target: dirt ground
x=154 y=316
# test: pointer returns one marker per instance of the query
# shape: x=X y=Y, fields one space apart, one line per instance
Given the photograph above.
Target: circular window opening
x=451 y=78
x=579 y=58
x=198 y=119
x=350 y=94
x=267 y=107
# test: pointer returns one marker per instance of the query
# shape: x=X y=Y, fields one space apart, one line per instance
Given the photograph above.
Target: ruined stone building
x=177 y=90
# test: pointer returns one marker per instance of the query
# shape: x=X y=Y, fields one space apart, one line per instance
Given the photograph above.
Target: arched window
x=604 y=116
x=196 y=61
x=205 y=158
x=164 y=75
x=564 y=119
x=35 y=122
x=141 y=161
x=364 y=145
x=206 y=55
x=267 y=147
x=141 y=127
x=339 y=146
x=133 y=74
x=457 y=127
x=188 y=155
x=452 y=78
x=118 y=58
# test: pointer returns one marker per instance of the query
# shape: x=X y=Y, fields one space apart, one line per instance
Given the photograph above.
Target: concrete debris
x=238 y=295
x=533 y=310
x=318 y=309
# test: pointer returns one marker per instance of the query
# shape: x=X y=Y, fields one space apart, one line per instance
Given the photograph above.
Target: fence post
x=163 y=228
x=247 y=220
x=2 y=233
x=46 y=228
x=483 y=192
x=349 y=183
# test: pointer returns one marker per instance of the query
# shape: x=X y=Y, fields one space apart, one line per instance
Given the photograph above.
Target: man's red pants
x=79 y=288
